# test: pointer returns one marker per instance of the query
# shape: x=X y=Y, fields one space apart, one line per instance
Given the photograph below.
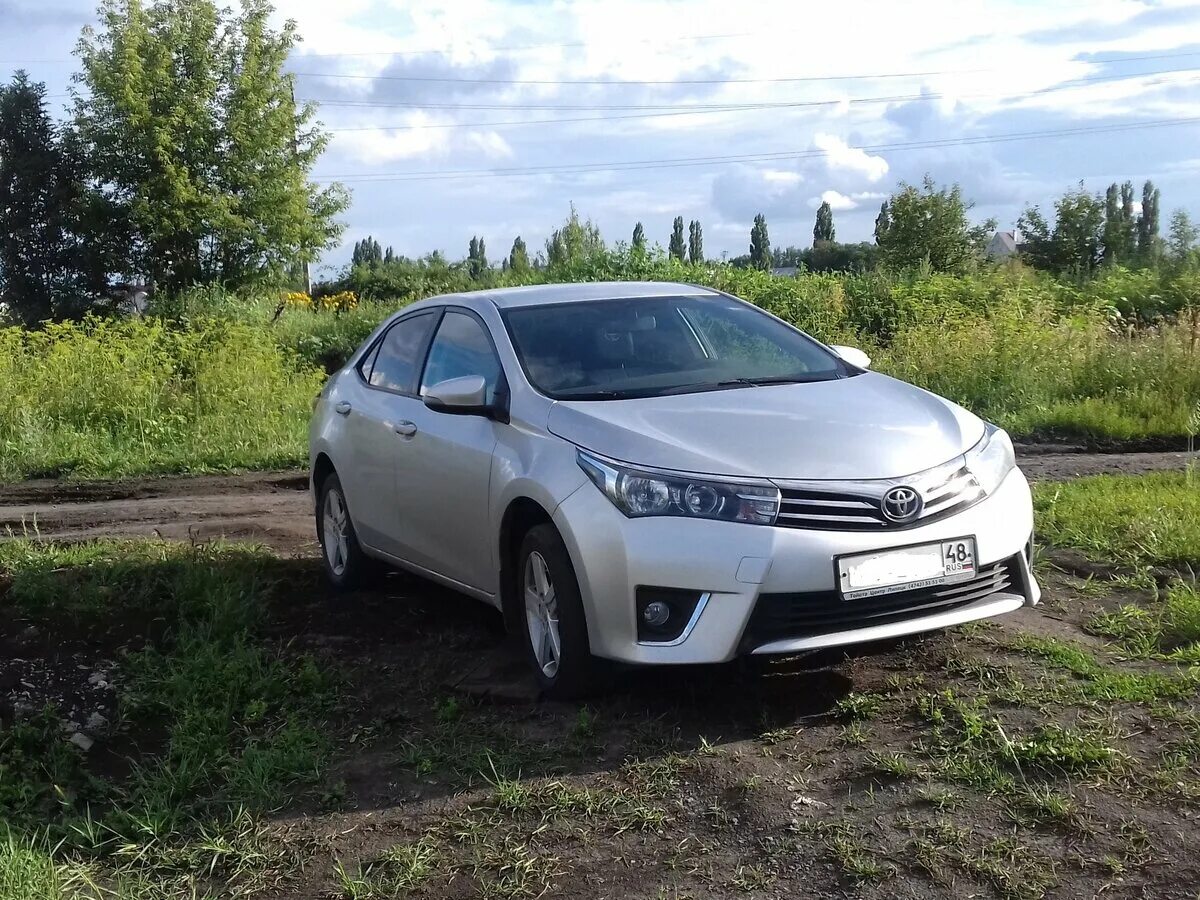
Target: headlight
x=992 y=458
x=637 y=493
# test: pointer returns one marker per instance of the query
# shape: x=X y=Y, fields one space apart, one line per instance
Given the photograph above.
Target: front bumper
x=732 y=565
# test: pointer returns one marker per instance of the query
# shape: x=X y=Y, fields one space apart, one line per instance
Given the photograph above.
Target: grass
x=395 y=872
x=1169 y=629
x=967 y=744
x=144 y=396
x=500 y=844
x=1042 y=805
x=1099 y=681
x=1134 y=520
x=220 y=727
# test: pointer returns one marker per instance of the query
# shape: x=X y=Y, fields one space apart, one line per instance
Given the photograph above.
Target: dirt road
x=274 y=508
x=271 y=508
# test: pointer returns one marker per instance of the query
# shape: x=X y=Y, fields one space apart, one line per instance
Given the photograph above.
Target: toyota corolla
x=661 y=474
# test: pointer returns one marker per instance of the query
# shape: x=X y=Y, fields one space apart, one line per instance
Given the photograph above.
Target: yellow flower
x=298 y=299
x=340 y=302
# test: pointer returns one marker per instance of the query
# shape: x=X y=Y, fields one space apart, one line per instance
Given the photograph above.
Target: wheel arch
x=521 y=514
x=322 y=468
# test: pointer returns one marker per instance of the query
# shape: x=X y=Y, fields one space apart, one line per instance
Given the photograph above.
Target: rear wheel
x=555 y=632
x=346 y=566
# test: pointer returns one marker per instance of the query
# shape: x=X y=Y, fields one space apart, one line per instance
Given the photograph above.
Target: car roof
x=542 y=294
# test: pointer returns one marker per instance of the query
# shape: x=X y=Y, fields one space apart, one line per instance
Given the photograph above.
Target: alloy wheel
x=336 y=524
x=541 y=614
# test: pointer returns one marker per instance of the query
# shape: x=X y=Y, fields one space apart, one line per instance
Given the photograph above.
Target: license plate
x=905 y=569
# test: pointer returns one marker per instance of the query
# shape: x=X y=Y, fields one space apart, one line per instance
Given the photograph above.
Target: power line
x=682 y=39
x=708 y=109
x=608 y=82
x=773 y=104
x=445 y=51
x=668 y=110
x=687 y=162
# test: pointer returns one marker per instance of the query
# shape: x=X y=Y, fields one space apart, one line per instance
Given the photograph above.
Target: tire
x=550 y=607
x=346 y=566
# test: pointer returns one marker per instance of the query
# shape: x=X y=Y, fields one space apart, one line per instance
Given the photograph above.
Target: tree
x=477 y=262
x=518 y=257
x=929 y=225
x=675 y=248
x=639 y=238
x=823 y=230
x=1078 y=232
x=574 y=241
x=192 y=132
x=1147 y=224
x=695 y=243
x=390 y=256
x=1076 y=245
x=1119 y=227
x=367 y=252
x=760 y=244
x=787 y=256
x=49 y=266
x=882 y=222
x=830 y=256
x=1181 y=242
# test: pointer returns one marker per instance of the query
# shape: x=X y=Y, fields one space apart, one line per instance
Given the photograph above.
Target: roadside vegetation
x=213 y=380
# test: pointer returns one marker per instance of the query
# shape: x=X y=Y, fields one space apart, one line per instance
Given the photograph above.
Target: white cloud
x=777 y=176
x=491 y=143
x=379 y=146
x=982 y=62
x=838 y=201
x=841 y=156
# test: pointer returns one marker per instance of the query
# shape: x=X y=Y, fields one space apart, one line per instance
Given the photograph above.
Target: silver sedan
x=660 y=474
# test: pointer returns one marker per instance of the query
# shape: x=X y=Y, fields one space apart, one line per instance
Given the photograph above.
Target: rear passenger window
x=397 y=362
x=364 y=367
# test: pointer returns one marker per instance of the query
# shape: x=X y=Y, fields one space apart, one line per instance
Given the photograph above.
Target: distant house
x=1002 y=245
x=785 y=271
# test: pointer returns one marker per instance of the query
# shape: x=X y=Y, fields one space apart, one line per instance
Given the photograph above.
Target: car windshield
x=654 y=346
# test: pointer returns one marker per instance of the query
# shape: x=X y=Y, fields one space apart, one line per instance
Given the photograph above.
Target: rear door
x=384 y=399
x=444 y=471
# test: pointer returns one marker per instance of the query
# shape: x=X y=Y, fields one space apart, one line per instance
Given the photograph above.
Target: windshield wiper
x=597 y=395
x=769 y=379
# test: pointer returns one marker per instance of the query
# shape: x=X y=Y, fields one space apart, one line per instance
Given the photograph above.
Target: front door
x=444 y=469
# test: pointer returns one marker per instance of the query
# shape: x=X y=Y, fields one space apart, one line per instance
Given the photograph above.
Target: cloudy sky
x=491 y=117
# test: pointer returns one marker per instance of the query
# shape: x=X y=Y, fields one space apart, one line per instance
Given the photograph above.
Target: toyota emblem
x=901 y=504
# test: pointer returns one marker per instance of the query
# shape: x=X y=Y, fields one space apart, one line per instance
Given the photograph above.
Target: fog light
x=656 y=613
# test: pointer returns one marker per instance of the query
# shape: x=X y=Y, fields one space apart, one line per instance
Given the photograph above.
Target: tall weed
x=127 y=397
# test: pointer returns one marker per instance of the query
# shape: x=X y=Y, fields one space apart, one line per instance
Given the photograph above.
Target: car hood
x=866 y=426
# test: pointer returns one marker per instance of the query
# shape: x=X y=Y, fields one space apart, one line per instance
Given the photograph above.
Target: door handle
x=342 y=408
x=406 y=429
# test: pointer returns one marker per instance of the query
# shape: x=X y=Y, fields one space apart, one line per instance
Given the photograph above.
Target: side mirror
x=852 y=355
x=466 y=396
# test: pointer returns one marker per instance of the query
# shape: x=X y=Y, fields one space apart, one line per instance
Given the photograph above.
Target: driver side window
x=462 y=347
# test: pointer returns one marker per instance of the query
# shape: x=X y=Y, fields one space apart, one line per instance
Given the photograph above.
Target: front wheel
x=555 y=626
x=346 y=566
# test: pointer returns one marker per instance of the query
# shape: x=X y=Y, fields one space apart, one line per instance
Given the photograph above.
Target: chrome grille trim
x=857 y=505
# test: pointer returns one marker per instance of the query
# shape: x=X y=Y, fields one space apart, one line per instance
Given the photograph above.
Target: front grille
x=782 y=616
x=858 y=506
